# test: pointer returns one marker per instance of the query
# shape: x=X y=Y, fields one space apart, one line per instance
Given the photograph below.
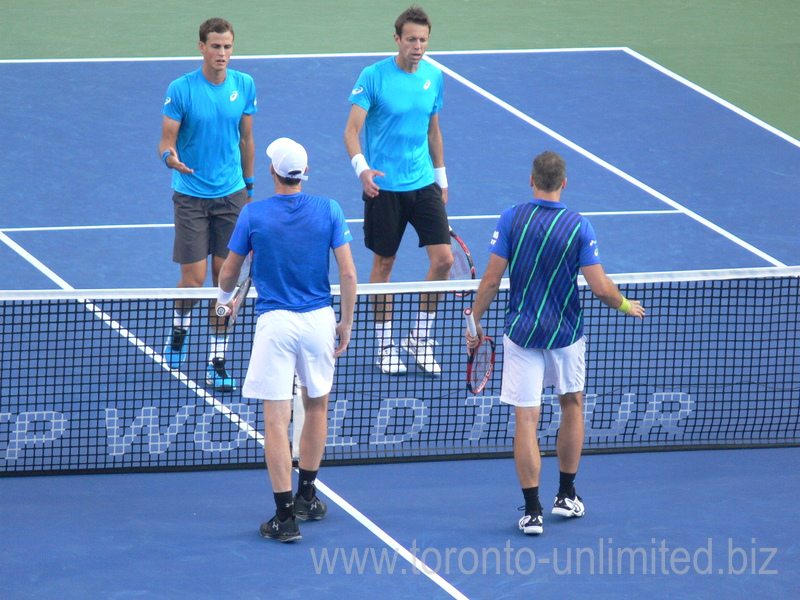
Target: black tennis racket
x=237 y=302
x=480 y=363
x=463 y=267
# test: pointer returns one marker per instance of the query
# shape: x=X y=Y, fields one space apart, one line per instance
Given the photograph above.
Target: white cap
x=289 y=159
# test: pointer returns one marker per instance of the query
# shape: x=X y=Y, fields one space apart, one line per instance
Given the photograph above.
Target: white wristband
x=224 y=297
x=440 y=177
x=359 y=164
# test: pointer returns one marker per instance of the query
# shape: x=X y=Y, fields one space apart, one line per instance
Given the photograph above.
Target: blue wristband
x=165 y=156
x=249 y=182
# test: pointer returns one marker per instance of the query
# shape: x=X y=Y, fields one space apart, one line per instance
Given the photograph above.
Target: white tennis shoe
x=422 y=351
x=568 y=507
x=389 y=361
x=531 y=524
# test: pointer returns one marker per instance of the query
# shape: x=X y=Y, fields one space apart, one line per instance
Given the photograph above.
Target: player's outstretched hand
x=637 y=310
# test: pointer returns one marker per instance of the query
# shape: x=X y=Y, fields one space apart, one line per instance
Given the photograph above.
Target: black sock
x=566 y=484
x=305 y=485
x=532 y=504
x=284 y=505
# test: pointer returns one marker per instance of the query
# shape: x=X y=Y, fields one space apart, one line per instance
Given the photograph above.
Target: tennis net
x=84 y=386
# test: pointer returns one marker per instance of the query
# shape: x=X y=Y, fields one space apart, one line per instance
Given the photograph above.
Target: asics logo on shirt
x=358 y=90
x=167 y=101
x=234 y=96
x=427 y=85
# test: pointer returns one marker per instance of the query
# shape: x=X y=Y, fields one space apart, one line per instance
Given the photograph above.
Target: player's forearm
x=347 y=295
x=487 y=291
x=436 y=148
x=247 y=148
x=351 y=142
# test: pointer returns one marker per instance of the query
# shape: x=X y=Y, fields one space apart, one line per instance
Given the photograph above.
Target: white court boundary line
x=235 y=418
x=606 y=165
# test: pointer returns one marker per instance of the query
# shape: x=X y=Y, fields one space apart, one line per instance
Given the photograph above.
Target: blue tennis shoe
x=175 y=348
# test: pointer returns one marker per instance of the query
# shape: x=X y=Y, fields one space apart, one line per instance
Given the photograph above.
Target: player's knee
x=441 y=265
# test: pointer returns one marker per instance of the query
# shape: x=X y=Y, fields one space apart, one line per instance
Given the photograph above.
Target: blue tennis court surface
x=672 y=179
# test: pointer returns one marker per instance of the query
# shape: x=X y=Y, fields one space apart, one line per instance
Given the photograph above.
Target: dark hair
x=288 y=181
x=215 y=25
x=549 y=171
x=413 y=14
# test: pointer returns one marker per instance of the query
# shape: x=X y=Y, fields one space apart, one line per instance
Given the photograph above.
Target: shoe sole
x=563 y=512
x=283 y=538
x=400 y=370
x=221 y=388
x=532 y=530
x=309 y=517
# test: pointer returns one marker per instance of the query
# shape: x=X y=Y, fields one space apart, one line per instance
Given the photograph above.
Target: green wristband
x=625 y=307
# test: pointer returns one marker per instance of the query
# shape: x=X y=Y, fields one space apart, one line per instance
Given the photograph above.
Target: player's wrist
x=224 y=297
x=249 y=183
x=165 y=157
x=440 y=176
x=359 y=164
x=625 y=307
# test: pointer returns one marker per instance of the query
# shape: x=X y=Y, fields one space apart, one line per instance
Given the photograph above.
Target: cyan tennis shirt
x=399 y=106
x=545 y=244
x=208 y=140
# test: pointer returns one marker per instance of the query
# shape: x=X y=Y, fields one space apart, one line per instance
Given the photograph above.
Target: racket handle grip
x=473 y=330
x=223 y=310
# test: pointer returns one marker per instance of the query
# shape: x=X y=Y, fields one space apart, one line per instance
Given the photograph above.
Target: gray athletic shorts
x=204 y=226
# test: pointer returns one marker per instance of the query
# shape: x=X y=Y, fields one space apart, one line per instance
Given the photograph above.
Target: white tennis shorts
x=526 y=371
x=286 y=342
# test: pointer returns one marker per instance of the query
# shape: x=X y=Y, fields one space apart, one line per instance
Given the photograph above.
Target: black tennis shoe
x=569 y=506
x=309 y=510
x=283 y=531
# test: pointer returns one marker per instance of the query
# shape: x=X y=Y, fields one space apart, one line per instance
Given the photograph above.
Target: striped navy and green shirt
x=545 y=244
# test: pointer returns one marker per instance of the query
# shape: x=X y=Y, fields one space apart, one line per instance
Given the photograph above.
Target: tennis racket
x=480 y=363
x=245 y=281
x=463 y=267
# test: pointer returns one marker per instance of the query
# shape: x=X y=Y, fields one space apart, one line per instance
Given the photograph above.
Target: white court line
x=86 y=227
x=596 y=159
x=602 y=213
x=241 y=423
x=130 y=337
x=700 y=90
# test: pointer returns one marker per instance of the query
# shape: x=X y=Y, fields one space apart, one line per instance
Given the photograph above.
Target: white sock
x=218 y=347
x=383 y=333
x=179 y=320
x=422 y=328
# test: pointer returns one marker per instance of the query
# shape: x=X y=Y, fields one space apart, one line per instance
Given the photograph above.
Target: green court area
x=745 y=51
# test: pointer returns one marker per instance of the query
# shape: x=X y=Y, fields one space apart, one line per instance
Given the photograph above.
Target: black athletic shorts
x=386 y=217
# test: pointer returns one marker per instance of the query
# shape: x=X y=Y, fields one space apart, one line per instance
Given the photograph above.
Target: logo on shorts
x=167 y=101
x=234 y=96
x=427 y=85
x=358 y=90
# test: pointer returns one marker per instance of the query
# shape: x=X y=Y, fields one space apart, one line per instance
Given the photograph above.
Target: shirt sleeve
x=341 y=230
x=173 y=102
x=240 y=238
x=589 y=252
x=251 y=106
x=500 y=243
x=362 y=92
